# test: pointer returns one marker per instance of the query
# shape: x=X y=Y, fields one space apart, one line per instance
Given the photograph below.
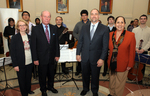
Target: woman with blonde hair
x=21 y=57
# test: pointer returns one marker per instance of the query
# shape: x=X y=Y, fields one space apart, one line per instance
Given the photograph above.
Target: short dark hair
x=84 y=12
x=131 y=22
x=136 y=19
x=10 y=19
x=121 y=17
x=37 y=19
x=143 y=16
x=59 y=17
x=110 y=17
x=25 y=12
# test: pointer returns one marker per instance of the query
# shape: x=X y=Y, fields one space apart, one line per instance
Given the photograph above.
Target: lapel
x=20 y=41
x=96 y=32
x=51 y=32
x=88 y=30
x=42 y=32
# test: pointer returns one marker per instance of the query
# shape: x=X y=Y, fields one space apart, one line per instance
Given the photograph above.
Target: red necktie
x=47 y=34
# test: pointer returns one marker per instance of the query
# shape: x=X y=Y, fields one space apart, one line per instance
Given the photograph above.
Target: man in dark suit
x=15 y=4
x=105 y=7
x=93 y=47
x=45 y=49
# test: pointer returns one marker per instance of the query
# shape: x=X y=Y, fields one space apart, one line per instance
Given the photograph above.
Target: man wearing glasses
x=26 y=17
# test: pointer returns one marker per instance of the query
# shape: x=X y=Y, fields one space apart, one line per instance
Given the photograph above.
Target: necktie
x=92 y=32
x=47 y=34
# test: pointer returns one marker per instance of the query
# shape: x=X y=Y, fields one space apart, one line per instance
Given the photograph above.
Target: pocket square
x=53 y=33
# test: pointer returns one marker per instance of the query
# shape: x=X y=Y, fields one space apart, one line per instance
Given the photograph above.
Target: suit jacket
x=126 y=52
x=104 y=10
x=94 y=49
x=17 y=51
x=41 y=49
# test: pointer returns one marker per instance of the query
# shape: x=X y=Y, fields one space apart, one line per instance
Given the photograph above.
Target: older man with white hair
x=45 y=49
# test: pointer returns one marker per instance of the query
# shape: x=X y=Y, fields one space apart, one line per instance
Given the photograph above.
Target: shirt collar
x=144 y=27
x=94 y=24
x=112 y=26
x=86 y=22
x=45 y=25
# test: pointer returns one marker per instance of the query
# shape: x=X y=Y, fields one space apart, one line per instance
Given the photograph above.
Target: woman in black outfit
x=21 y=57
x=9 y=30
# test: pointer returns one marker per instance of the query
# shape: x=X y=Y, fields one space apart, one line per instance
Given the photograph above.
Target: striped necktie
x=47 y=34
x=92 y=32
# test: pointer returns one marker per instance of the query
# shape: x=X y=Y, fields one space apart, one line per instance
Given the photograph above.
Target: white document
x=64 y=46
x=68 y=55
x=7 y=61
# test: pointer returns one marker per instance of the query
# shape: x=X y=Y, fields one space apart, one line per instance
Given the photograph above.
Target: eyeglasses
x=25 y=15
x=21 y=25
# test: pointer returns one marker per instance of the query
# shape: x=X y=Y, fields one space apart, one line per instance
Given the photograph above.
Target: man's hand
x=16 y=68
x=78 y=57
x=66 y=42
x=140 y=51
x=137 y=50
x=36 y=62
x=128 y=68
x=56 y=58
x=100 y=62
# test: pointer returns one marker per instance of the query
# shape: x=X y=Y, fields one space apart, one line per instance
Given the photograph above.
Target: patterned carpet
x=69 y=89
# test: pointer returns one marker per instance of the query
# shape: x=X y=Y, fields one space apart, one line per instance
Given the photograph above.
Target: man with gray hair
x=45 y=49
x=93 y=47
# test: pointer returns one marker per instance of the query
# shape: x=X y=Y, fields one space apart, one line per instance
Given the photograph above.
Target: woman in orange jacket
x=121 y=56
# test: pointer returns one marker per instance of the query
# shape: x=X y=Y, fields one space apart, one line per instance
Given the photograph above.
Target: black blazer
x=41 y=49
x=17 y=51
x=94 y=49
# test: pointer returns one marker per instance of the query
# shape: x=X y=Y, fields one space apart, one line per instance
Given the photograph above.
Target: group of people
x=98 y=44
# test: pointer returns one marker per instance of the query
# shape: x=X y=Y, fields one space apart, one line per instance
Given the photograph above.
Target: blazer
x=17 y=50
x=104 y=10
x=126 y=52
x=94 y=49
x=41 y=49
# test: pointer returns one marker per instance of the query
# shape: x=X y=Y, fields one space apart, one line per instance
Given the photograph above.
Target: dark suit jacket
x=41 y=49
x=94 y=49
x=17 y=5
x=104 y=10
x=17 y=51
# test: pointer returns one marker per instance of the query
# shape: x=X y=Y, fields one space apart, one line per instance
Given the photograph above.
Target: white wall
x=130 y=9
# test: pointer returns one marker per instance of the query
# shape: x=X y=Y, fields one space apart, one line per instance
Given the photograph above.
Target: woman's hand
x=128 y=68
x=16 y=68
